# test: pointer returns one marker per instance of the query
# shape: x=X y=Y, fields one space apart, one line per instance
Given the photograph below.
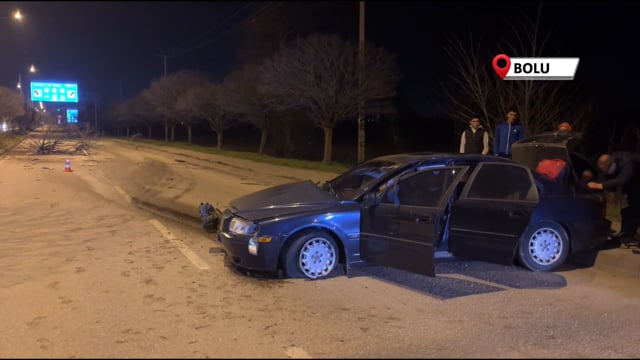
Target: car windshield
x=351 y=184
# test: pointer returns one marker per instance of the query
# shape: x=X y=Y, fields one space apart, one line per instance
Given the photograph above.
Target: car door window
x=424 y=188
x=502 y=182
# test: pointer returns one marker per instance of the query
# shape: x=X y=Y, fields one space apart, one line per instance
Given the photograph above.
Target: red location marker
x=501 y=70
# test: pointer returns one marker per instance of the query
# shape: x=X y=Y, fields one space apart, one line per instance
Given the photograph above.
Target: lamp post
x=96 y=100
x=32 y=70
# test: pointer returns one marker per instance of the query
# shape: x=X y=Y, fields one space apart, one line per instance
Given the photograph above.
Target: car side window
x=502 y=182
x=424 y=188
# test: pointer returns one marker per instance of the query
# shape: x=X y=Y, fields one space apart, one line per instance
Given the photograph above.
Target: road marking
x=184 y=249
x=294 y=352
x=475 y=280
x=124 y=193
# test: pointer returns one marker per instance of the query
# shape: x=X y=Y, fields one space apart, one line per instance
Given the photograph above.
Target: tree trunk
x=189 y=128
x=173 y=133
x=149 y=127
x=219 y=135
x=263 y=142
x=166 y=131
x=328 y=141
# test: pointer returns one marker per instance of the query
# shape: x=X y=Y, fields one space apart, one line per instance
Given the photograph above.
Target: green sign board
x=54 y=92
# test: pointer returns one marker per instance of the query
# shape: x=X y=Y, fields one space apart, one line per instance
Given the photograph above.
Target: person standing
x=507 y=133
x=474 y=139
x=622 y=169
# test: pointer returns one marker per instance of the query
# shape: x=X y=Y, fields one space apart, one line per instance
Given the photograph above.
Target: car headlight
x=240 y=226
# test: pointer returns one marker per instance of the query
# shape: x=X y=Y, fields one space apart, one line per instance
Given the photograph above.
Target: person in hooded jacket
x=507 y=133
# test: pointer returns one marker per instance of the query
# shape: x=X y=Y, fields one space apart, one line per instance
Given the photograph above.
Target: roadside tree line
x=317 y=77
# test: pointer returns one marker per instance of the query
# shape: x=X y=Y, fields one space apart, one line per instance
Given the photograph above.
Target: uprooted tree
x=66 y=139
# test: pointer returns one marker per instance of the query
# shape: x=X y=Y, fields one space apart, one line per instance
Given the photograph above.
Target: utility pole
x=165 y=56
x=361 y=123
x=95 y=97
x=95 y=110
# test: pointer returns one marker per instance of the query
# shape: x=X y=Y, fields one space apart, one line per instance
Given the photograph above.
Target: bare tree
x=474 y=89
x=11 y=104
x=319 y=75
x=243 y=97
x=121 y=115
x=164 y=92
x=203 y=102
x=144 y=114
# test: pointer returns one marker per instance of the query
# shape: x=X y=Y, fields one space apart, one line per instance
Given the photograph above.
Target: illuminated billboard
x=54 y=92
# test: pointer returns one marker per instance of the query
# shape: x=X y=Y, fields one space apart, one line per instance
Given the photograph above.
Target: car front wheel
x=312 y=255
x=544 y=246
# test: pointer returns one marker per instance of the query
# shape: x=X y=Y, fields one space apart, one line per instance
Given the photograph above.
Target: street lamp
x=32 y=70
x=16 y=16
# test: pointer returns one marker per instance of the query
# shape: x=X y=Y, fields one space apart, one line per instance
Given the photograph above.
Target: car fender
x=344 y=226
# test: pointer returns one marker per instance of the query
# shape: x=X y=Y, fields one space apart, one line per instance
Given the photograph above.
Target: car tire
x=312 y=255
x=544 y=246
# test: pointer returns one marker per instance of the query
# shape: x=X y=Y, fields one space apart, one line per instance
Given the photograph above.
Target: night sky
x=114 y=49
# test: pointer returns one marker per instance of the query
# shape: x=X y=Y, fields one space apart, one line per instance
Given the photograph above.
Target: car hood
x=282 y=200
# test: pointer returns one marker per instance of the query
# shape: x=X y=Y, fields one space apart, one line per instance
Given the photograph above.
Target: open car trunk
x=544 y=153
x=554 y=145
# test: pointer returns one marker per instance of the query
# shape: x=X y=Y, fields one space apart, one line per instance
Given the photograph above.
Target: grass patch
x=293 y=163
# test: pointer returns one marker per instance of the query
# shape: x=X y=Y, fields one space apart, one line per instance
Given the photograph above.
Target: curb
x=166 y=212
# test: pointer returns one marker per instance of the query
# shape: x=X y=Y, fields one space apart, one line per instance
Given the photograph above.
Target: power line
x=263 y=11
x=220 y=24
x=137 y=54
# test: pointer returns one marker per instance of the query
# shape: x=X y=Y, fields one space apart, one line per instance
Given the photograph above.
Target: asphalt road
x=87 y=273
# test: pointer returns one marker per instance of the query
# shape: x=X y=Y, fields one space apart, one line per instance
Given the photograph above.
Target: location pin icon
x=501 y=67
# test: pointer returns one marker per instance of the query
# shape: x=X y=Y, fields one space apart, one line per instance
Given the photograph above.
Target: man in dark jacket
x=474 y=139
x=507 y=133
x=622 y=169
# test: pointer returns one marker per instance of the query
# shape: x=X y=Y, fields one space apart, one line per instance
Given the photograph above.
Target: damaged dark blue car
x=401 y=210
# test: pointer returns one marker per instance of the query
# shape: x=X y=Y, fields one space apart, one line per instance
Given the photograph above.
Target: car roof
x=439 y=158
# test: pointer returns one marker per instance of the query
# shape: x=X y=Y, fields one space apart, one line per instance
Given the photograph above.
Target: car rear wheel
x=544 y=247
x=312 y=255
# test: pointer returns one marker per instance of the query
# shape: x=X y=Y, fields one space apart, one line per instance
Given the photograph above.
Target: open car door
x=402 y=220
